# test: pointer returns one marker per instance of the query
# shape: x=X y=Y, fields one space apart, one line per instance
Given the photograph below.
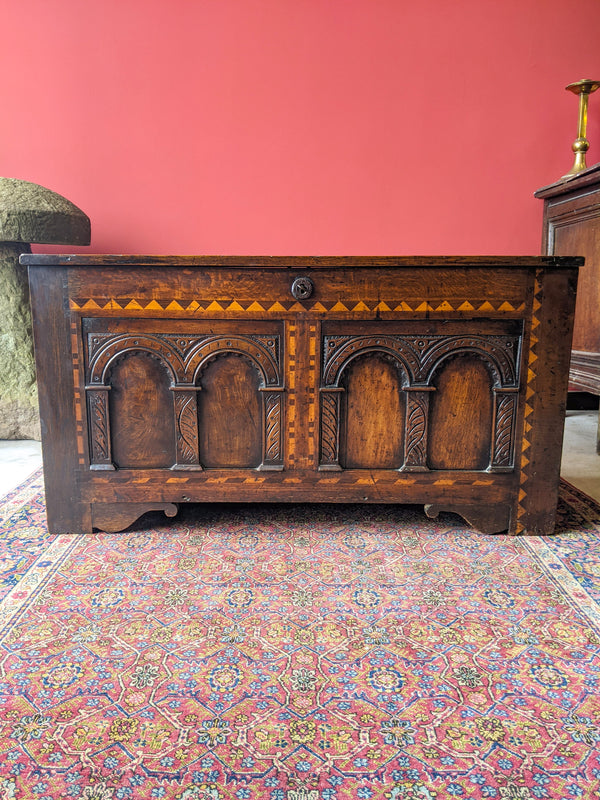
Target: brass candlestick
x=581 y=145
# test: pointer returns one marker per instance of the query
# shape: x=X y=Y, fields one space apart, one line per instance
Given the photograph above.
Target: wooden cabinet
x=438 y=381
x=571 y=226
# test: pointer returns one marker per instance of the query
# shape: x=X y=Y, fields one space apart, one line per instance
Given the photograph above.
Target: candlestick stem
x=581 y=145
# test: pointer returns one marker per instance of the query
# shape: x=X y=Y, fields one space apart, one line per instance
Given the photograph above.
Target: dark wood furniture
x=438 y=381
x=571 y=226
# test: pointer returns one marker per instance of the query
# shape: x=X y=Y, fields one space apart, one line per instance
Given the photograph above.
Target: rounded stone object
x=36 y=215
x=29 y=214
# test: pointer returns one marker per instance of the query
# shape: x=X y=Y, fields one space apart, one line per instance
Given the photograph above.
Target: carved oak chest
x=436 y=381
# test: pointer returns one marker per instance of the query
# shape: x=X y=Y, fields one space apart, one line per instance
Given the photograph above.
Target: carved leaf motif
x=187 y=429
x=99 y=420
x=329 y=428
x=273 y=427
x=416 y=426
x=504 y=428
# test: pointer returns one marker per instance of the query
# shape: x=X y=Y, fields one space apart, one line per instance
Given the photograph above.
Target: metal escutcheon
x=302 y=288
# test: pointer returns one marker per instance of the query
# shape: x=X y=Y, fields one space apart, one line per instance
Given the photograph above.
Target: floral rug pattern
x=299 y=653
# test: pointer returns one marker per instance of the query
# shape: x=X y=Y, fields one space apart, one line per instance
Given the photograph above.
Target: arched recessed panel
x=230 y=414
x=372 y=415
x=141 y=413
x=461 y=416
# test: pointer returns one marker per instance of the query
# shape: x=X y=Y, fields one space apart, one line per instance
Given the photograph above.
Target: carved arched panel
x=461 y=415
x=262 y=351
x=422 y=356
x=500 y=354
x=185 y=356
x=104 y=349
x=230 y=412
x=372 y=414
x=339 y=351
x=142 y=428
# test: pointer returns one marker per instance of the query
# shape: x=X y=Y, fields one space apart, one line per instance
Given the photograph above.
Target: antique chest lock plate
x=302 y=288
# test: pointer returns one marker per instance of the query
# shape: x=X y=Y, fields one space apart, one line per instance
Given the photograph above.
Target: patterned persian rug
x=299 y=653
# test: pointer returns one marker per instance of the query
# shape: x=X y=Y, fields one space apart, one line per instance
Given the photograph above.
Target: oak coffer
x=438 y=381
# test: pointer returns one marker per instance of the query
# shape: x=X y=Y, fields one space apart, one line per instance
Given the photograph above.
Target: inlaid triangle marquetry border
x=234 y=306
x=529 y=395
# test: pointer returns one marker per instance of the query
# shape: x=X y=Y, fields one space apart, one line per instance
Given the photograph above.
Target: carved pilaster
x=330 y=428
x=186 y=427
x=415 y=436
x=99 y=428
x=504 y=424
x=272 y=429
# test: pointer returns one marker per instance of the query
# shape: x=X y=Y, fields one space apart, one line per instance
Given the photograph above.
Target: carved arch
x=336 y=362
x=115 y=348
x=254 y=351
x=269 y=410
x=499 y=354
x=263 y=357
x=423 y=356
x=183 y=355
x=461 y=414
x=140 y=407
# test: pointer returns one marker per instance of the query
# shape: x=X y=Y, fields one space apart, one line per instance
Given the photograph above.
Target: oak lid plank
x=301 y=262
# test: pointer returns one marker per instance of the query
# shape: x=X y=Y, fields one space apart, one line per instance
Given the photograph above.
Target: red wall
x=298 y=126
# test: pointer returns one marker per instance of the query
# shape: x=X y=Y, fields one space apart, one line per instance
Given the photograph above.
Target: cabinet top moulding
x=302 y=262
x=581 y=180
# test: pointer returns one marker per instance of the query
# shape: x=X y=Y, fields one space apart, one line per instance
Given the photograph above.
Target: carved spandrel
x=495 y=519
x=270 y=343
